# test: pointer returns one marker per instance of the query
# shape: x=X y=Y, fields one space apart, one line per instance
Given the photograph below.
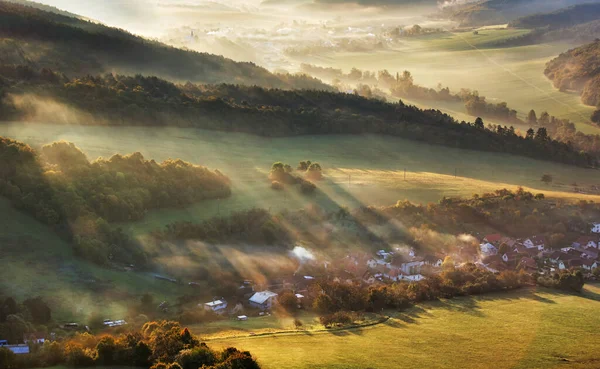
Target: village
x=495 y=253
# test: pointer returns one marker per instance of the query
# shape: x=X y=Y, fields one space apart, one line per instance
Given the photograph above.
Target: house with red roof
x=493 y=238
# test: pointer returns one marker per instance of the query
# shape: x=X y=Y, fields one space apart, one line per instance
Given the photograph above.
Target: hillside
x=488 y=12
x=562 y=18
x=578 y=70
x=122 y=100
x=78 y=47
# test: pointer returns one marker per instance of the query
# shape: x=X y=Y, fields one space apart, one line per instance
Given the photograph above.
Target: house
x=488 y=249
x=508 y=241
x=528 y=265
x=114 y=323
x=575 y=263
x=590 y=254
x=555 y=256
x=263 y=300
x=510 y=257
x=37 y=337
x=412 y=267
x=595 y=228
x=562 y=265
x=242 y=318
x=217 y=306
x=536 y=241
x=18 y=349
x=493 y=238
x=586 y=241
x=590 y=264
x=433 y=260
x=413 y=278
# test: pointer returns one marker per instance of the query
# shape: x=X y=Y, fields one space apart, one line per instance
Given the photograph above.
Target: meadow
x=465 y=60
x=359 y=170
x=36 y=262
x=528 y=328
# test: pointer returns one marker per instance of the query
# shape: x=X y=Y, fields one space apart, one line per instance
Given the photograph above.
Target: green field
x=359 y=169
x=464 y=60
x=523 y=329
x=36 y=262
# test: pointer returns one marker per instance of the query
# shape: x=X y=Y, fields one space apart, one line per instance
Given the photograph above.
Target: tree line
x=157 y=345
x=122 y=100
x=60 y=187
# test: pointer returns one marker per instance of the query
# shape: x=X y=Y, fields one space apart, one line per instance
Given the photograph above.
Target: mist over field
x=244 y=183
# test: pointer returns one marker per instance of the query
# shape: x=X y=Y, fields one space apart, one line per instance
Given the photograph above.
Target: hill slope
x=123 y=100
x=579 y=70
x=77 y=47
x=487 y=12
x=562 y=18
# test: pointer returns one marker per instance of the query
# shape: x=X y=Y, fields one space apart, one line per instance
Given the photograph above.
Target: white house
x=263 y=300
x=488 y=249
x=218 y=306
x=412 y=267
x=414 y=278
x=596 y=228
x=561 y=265
x=535 y=241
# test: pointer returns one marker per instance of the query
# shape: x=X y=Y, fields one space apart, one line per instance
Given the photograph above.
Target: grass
x=523 y=329
x=36 y=262
x=464 y=60
x=359 y=169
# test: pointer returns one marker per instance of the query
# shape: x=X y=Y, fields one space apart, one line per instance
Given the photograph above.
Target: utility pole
x=455 y=172
x=405 y=174
x=349 y=179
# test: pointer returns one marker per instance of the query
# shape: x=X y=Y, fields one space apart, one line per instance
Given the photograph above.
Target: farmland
x=359 y=169
x=465 y=60
x=523 y=329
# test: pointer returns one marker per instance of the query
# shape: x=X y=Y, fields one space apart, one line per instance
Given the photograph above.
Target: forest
x=121 y=100
x=578 y=70
x=60 y=187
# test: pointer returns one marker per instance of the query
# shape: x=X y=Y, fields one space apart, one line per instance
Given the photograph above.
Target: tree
x=288 y=301
x=530 y=134
x=547 y=178
x=479 y=123
x=39 y=310
x=595 y=116
x=448 y=264
x=314 y=171
x=8 y=359
x=531 y=117
x=544 y=119
x=542 y=134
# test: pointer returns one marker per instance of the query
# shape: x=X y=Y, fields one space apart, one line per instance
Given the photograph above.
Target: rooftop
x=262 y=297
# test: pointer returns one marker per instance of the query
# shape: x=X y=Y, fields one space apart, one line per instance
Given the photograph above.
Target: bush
x=276 y=185
x=307 y=187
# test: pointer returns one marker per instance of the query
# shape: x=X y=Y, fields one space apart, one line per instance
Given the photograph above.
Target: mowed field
x=465 y=60
x=359 y=170
x=523 y=329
